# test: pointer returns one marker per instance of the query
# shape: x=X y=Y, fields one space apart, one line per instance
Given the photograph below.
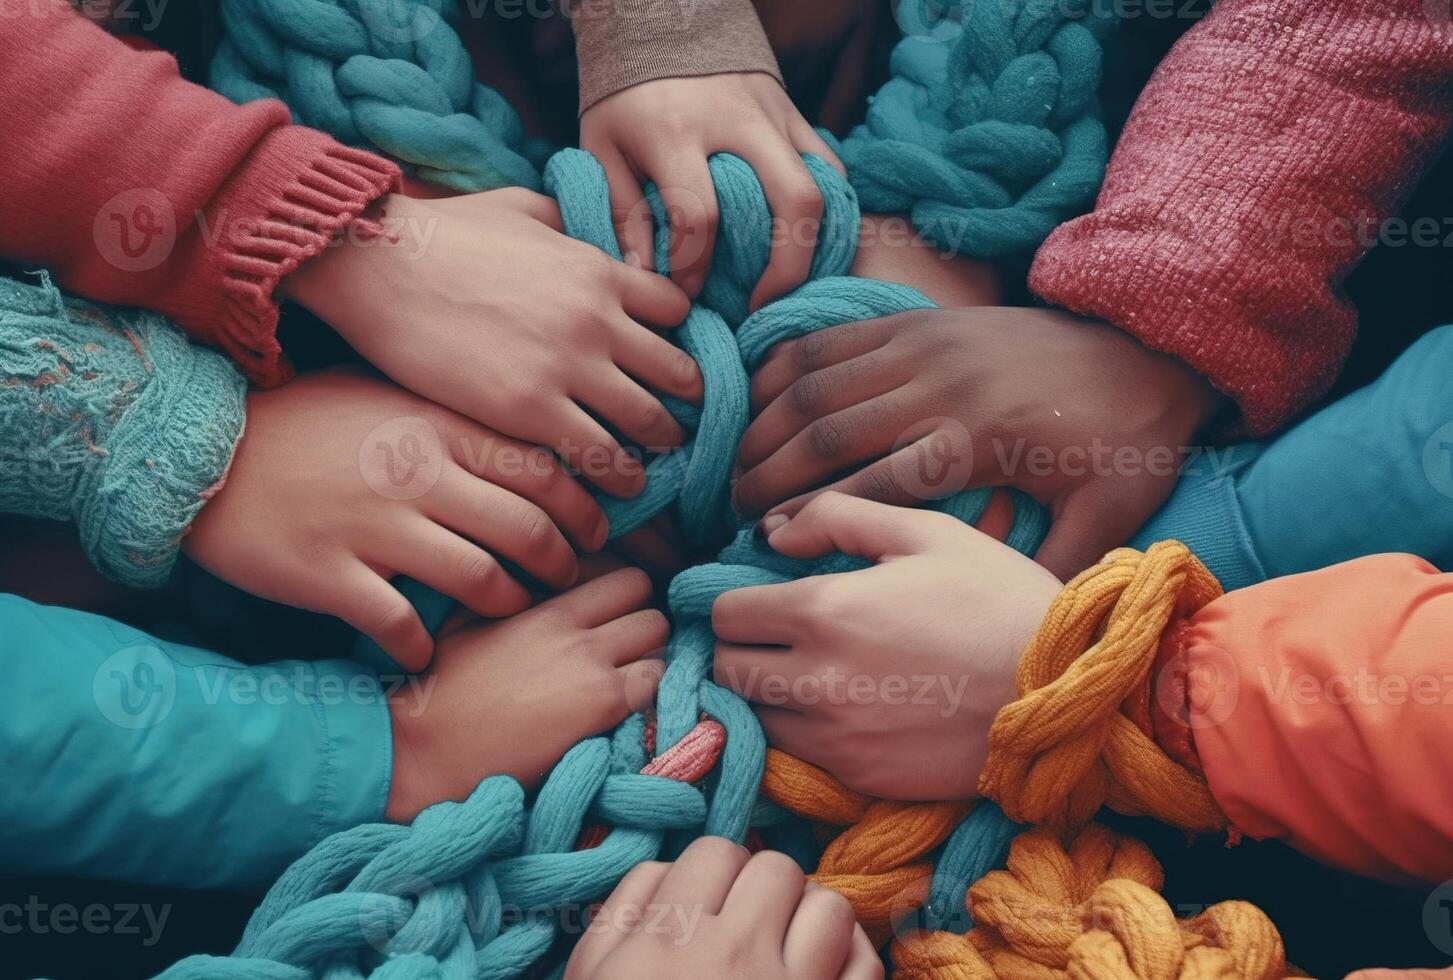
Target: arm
x=158 y=192
x=1267 y=145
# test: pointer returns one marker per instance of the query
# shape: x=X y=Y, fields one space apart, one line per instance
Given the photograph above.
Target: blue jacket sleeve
x=111 y=420
x=1369 y=474
x=134 y=759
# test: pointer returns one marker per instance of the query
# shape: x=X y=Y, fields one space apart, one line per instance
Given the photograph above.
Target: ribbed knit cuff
x=292 y=196
x=355 y=744
x=620 y=43
x=165 y=457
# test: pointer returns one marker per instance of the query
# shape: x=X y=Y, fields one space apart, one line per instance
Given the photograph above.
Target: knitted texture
x=391 y=76
x=1064 y=748
x=112 y=421
x=989 y=133
x=1090 y=909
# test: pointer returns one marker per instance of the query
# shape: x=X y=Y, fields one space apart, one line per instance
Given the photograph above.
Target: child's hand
x=923 y=404
x=342 y=481
x=719 y=913
x=485 y=306
x=510 y=697
x=664 y=130
x=888 y=677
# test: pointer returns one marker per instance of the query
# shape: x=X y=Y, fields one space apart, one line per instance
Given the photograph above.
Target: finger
x=929 y=469
x=448 y=563
x=821 y=449
x=650 y=298
x=796 y=205
x=764 y=897
x=634 y=411
x=684 y=181
x=863 y=963
x=821 y=934
x=629 y=211
x=656 y=362
x=535 y=474
x=594 y=453
x=538 y=206
x=379 y=611
x=639 y=681
x=505 y=524
x=702 y=877
x=761 y=675
x=792 y=359
x=600 y=600
x=622 y=914
x=758 y=614
x=1093 y=520
x=865 y=528
x=632 y=636
x=794 y=733
x=816 y=395
x=806 y=139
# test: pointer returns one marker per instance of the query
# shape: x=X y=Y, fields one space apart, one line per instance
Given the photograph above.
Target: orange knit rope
x=1090 y=910
x=1064 y=749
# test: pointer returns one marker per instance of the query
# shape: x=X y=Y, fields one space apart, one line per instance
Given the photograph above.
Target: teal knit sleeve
x=133 y=759
x=1368 y=474
x=112 y=420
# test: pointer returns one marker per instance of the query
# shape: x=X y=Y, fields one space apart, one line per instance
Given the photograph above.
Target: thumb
x=867 y=529
x=1094 y=520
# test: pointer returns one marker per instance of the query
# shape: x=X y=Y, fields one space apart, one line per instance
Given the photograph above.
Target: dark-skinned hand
x=920 y=405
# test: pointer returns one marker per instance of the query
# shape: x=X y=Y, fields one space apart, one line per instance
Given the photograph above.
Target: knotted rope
x=1091 y=910
x=989 y=133
x=1064 y=748
x=390 y=76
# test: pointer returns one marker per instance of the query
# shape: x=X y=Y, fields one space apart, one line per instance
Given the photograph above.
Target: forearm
x=198 y=206
x=1273 y=135
x=166 y=764
x=113 y=421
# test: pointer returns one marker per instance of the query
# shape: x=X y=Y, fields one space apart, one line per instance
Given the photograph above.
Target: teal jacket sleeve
x=111 y=420
x=1369 y=474
x=134 y=759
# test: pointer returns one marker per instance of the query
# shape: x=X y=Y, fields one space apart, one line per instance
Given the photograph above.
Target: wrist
x=333 y=283
x=409 y=788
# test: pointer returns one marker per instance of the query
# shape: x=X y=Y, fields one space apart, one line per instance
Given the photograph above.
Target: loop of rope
x=989 y=133
x=1064 y=748
x=1091 y=909
x=390 y=76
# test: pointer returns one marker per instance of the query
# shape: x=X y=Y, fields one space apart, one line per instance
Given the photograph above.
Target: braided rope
x=390 y=76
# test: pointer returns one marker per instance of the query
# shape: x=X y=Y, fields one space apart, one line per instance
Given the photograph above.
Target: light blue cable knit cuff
x=1205 y=515
x=112 y=419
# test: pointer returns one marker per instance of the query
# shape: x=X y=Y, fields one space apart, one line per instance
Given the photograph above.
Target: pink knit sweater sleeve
x=1253 y=174
x=134 y=186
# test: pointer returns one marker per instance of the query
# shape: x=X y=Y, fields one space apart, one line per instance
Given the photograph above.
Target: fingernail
x=772 y=522
x=691 y=285
x=632 y=258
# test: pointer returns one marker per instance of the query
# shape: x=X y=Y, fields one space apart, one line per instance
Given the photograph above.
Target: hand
x=923 y=404
x=744 y=113
x=889 y=677
x=511 y=697
x=718 y=913
x=312 y=513
x=485 y=306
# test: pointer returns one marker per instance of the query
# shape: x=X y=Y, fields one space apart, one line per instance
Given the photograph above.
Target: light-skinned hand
x=663 y=131
x=312 y=512
x=889 y=677
x=923 y=404
x=719 y=913
x=483 y=304
x=511 y=697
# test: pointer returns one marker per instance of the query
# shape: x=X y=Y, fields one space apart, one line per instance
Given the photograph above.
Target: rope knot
x=1064 y=748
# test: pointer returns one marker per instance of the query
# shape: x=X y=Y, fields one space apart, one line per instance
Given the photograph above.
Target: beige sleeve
x=620 y=43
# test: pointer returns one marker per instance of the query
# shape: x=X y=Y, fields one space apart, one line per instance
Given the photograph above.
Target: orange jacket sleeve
x=1322 y=713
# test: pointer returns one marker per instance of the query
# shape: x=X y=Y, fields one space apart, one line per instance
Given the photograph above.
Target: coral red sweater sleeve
x=1319 y=710
x=1248 y=182
x=136 y=187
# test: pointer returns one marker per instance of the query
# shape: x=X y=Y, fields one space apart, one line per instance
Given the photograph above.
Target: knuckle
x=683 y=369
x=536 y=529
x=880 y=483
x=808 y=393
x=655 y=419
x=390 y=619
x=477 y=571
x=778 y=866
x=804 y=198
x=658 y=626
x=811 y=348
x=827 y=438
